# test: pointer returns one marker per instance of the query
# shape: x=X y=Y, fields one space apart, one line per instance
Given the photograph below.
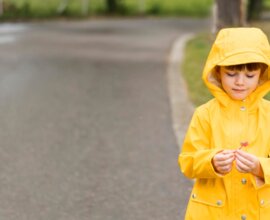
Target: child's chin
x=238 y=98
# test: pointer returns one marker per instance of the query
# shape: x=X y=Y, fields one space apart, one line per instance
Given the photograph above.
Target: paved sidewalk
x=182 y=108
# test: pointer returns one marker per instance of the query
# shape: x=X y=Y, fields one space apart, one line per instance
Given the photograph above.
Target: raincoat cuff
x=212 y=167
x=257 y=182
x=261 y=182
x=265 y=163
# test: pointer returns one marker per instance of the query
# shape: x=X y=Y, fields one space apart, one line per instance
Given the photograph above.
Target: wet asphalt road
x=85 y=121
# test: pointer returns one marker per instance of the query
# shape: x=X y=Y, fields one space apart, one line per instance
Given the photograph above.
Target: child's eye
x=250 y=76
x=231 y=74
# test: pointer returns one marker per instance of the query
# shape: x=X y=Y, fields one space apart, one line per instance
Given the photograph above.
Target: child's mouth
x=239 y=90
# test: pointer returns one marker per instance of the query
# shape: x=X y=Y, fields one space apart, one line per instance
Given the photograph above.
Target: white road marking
x=7 y=39
x=9 y=32
x=11 y=28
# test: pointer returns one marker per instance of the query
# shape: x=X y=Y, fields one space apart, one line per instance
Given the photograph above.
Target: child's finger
x=241 y=167
x=228 y=151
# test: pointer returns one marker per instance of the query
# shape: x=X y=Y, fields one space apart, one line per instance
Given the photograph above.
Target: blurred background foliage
x=47 y=8
x=81 y=8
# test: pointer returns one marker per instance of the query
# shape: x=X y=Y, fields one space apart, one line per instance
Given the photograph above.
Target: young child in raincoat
x=227 y=145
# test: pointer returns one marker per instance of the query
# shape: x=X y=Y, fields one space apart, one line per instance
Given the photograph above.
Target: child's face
x=238 y=84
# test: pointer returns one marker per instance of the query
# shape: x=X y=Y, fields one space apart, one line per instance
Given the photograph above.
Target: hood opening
x=214 y=75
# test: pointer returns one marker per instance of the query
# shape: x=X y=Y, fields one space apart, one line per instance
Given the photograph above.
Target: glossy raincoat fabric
x=222 y=123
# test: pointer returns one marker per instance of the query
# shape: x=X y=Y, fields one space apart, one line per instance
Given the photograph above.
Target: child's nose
x=240 y=79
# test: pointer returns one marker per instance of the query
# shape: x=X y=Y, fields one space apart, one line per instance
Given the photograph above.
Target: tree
x=1 y=7
x=112 y=6
x=230 y=13
x=254 y=9
x=85 y=7
x=141 y=4
x=62 y=7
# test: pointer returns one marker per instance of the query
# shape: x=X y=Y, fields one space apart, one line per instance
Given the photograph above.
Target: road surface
x=85 y=120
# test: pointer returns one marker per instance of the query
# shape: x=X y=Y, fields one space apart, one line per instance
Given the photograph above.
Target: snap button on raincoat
x=222 y=123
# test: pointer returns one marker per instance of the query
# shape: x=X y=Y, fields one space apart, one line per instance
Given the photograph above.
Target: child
x=227 y=146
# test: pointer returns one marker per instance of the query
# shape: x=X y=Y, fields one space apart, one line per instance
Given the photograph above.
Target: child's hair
x=248 y=66
x=215 y=76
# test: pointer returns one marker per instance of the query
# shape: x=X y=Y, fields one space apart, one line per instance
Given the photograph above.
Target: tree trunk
x=254 y=9
x=141 y=6
x=230 y=13
x=62 y=6
x=112 y=6
x=85 y=5
x=1 y=7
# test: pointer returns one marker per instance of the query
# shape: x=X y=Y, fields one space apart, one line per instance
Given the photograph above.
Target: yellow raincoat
x=222 y=123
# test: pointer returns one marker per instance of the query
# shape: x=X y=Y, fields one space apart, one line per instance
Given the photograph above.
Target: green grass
x=265 y=26
x=196 y=52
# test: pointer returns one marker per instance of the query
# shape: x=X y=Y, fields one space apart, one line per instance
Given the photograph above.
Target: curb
x=181 y=106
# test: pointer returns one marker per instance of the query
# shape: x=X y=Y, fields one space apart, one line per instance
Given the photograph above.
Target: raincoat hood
x=237 y=46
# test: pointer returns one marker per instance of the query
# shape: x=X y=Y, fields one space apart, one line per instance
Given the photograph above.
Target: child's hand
x=248 y=163
x=223 y=160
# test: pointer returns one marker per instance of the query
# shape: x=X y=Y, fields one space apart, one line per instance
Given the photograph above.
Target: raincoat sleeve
x=265 y=164
x=195 y=158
